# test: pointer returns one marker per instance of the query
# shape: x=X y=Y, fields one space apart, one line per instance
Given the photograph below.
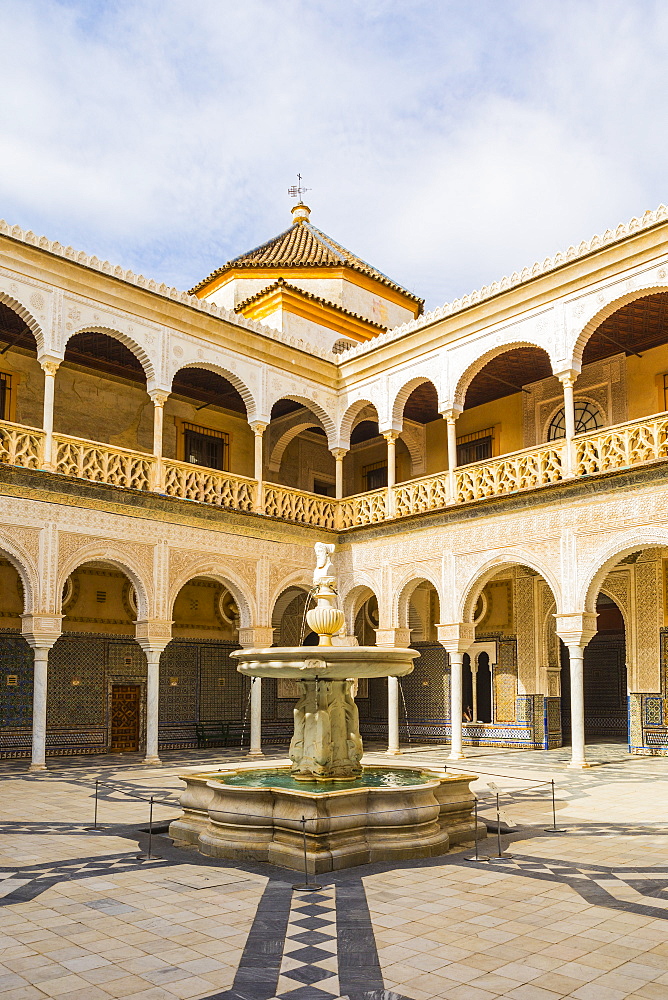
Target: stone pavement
x=580 y=914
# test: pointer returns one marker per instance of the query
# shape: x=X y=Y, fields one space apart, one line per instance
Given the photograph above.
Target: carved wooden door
x=125 y=717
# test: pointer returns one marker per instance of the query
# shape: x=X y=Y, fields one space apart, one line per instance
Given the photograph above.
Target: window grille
x=375 y=476
x=5 y=395
x=202 y=446
x=475 y=447
x=587 y=418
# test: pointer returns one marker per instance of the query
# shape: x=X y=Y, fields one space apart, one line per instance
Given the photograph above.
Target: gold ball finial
x=300 y=212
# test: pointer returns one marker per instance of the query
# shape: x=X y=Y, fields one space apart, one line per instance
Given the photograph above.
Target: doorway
x=125 y=718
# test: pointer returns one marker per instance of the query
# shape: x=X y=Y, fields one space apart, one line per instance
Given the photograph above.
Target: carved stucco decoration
x=240 y=575
x=133 y=558
x=17 y=294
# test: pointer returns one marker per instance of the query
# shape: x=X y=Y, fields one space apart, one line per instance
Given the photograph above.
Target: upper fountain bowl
x=327 y=663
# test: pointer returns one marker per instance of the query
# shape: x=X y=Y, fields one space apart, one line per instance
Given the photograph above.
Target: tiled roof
x=282 y=283
x=302 y=245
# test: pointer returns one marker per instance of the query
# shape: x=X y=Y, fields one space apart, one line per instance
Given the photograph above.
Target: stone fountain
x=354 y=814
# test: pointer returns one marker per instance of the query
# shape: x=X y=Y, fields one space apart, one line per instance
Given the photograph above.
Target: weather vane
x=296 y=190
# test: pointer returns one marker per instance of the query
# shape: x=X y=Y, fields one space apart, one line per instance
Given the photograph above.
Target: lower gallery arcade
x=511 y=674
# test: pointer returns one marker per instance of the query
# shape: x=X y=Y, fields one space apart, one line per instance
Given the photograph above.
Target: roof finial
x=300 y=211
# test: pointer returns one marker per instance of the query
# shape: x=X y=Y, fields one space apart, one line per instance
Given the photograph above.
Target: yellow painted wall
x=644 y=389
x=505 y=415
x=436 y=442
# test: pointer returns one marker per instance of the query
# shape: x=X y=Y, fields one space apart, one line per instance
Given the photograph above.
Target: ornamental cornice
x=160 y=289
x=538 y=269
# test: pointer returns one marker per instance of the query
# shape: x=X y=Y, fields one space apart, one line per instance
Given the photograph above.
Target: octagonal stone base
x=344 y=828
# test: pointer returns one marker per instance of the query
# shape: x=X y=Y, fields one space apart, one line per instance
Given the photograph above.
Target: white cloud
x=446 y=142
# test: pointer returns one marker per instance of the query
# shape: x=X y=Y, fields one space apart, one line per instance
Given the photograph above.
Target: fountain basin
x=255 y=815
x=325 y=663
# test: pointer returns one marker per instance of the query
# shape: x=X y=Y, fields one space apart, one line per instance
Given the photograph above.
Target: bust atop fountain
x=325 y=619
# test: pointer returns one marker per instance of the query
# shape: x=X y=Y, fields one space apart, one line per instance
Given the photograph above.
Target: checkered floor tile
x=309 y=970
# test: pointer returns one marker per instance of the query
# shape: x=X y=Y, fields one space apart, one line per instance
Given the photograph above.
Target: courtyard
x=580 y=913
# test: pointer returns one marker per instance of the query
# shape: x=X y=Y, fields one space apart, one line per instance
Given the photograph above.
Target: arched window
x=587 y=418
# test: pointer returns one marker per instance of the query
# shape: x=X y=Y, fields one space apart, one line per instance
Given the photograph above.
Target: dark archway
x=605 y=681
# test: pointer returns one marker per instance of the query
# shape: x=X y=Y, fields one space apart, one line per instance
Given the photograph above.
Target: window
x=323 y=488
x=665 y=392
x=375 y=476
x=587 y=418
x=202 y=446
x=5 y=395
x=475 y=447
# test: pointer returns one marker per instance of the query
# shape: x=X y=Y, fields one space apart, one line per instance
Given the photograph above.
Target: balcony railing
x=20 y=445
x=622 y=446
x=295 y=505
x=102 y=463
x=193 y=482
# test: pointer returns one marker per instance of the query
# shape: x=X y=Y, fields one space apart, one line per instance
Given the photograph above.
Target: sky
x=447 y=142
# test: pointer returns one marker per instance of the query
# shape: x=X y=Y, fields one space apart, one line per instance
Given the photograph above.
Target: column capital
x=576 y=628
x=391 y=435
x=41 y=630
x=451 y=413
x=339 y=453
x=159 y=396
x=256 y=637
x=258 y=427
x=50 y=364
x=400 y=638
x=568 y=376
x=457 y=637
x=153 y=634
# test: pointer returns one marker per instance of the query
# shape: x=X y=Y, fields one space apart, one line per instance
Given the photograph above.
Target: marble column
x=152 y=705
x=256 y=637
x=393 y=716
x=576 y=662
x=159 y=400
x=258 y=428
x=40 y=672
x=49 y=367
x=391 y=438
x=398 y=638
x=576 y=629
x=456 y=638
x=456 y=710
x=255 y=749
x=567 y=380
x=41 y=632
x=339 y=454
x=451 y=421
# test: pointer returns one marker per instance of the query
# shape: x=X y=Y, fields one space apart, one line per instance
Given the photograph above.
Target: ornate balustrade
x=20 y=445
x=102 y=463
x=194 y=482
x=419 y=495
x=524 y=470
x=295 y=505
x=618 y=447
x=364 y=508
x=630 y=444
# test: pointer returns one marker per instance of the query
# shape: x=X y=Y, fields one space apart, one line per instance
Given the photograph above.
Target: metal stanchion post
x=554 y=828
x=148 y=856
x=95 y=826
x=476 y=857
x=306 y=886
x=500 y=856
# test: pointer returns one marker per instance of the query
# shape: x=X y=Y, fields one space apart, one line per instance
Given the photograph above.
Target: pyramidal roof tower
x=306 y=284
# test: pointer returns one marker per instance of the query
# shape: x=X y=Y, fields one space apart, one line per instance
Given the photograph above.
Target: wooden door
x=125 y=717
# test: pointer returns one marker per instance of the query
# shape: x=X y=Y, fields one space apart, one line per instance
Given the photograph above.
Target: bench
x=213 y=734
